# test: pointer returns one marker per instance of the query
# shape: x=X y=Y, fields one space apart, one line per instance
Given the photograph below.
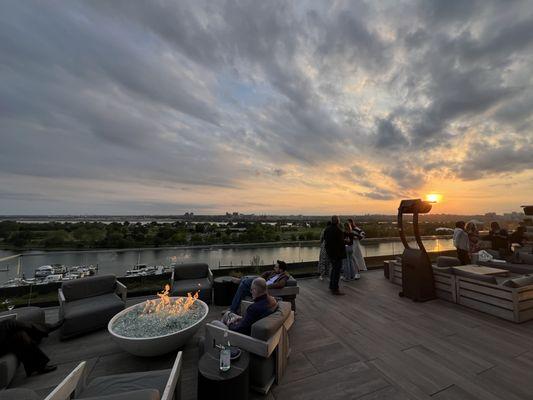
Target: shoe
x=357 y=276
x=343 y=278
x=53 y=327
x=320 y=278
x=337 y=293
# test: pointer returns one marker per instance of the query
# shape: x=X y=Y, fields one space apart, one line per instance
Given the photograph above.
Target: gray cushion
x=478 y=277
x=266 y=327
x=519 y=282
x=291 y=281
x=116 y=384
x=89 y=314
x=27 y=314
x=181 y=288
x=143 y=394
x=512 y=267
x=525 y=258
x=8 y=366
x=443 y=261
x=191 y=271
x=18 y=394
x=89 y=287
x=446 y=270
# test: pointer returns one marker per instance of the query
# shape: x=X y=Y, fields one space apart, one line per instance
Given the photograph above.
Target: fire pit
x=158 y=326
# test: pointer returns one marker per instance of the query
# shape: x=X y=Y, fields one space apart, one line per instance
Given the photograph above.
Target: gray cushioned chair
x=287 y=293
x=149 y=385
x=18 y=394
x=188 y=278
x=9 y=362
x=268 y=345
x=88 y=304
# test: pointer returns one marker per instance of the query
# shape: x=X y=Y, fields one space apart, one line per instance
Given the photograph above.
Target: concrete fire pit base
x=156 y=345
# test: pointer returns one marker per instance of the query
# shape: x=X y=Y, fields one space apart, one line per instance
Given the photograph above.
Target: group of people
x=341 y=253
x=466 y=239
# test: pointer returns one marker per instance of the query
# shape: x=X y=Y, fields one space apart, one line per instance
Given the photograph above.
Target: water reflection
x=118 y=262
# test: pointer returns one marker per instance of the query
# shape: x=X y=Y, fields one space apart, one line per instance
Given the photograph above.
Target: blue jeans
x=348 y=264
x=243 y=291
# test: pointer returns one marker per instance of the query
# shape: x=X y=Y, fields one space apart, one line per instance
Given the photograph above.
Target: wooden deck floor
x=369 y=344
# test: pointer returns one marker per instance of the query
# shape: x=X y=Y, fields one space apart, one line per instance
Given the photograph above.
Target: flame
x=167 y=306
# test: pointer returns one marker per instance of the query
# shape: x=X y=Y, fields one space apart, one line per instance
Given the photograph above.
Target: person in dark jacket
x=263 y=306
x=334 y=243
x=499 y=239
x=22 y=339
x=275 y=279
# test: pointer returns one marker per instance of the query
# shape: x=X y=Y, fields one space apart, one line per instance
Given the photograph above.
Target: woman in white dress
x=357 y=254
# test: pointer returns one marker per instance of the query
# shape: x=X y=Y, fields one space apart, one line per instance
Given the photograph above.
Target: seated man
x=263 y=306
x=275 y=279
x=22 y=338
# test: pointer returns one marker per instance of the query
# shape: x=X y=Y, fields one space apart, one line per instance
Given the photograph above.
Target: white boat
x=51 y=278
x=43 y=271
x=141 y=270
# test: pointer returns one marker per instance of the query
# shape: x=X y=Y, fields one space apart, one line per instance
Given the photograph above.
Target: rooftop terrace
x=369 y=344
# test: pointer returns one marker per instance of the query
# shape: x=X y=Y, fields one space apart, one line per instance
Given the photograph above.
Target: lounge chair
x=88 y=304
x=189 y=278
x=268 y=345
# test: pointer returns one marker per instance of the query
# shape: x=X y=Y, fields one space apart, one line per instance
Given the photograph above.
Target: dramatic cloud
x=289 y=107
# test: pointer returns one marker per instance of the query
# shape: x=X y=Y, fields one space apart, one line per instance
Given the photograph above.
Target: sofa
x=88 y=304
x=149 y=385
x=9 y=362
x=188 y=278
x=268 y=345
x=508 y=297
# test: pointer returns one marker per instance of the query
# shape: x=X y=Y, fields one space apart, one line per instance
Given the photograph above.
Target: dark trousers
x=336 y=266
x=22 y=339
x=463 y=256
x=245 y=289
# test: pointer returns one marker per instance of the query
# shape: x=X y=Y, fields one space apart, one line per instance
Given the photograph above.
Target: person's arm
x=280 y=283
x=244 y=325
x=265 y=275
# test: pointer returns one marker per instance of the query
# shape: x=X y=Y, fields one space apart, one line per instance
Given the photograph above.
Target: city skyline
x=265 y=107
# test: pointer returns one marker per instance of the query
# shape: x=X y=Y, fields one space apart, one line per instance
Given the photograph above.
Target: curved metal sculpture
x=417 y=273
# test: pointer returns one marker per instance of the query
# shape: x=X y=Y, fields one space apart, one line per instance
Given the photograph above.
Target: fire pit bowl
x=158 y=331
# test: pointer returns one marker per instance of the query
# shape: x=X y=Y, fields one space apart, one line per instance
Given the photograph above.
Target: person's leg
x=358 y=256
x=28 y=352
x=461 y=256
x=242 y=291
x=336 y=266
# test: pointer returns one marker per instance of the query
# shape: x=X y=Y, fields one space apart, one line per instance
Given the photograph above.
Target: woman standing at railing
x=323 y=259
x=349 y=267
x=359 y=235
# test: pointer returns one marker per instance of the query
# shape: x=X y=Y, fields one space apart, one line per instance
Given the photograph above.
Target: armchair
x=268 y=345
x=88 y=304
x=149 y=385
x=188 y=278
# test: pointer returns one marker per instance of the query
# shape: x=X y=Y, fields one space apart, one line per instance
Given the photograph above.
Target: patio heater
x=417 y=274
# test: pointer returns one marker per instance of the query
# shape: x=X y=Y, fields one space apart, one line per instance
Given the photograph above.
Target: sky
x=266 y=107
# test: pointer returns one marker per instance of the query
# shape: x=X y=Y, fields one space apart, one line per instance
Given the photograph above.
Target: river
x=119 y=261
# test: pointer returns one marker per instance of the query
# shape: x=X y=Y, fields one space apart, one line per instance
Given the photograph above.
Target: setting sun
x=433 y=198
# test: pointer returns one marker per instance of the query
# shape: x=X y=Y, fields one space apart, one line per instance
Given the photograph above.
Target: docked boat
x=142 y=270
x=43 y=271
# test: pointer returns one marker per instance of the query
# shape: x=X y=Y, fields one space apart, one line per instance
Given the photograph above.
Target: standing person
x=461 y=243
x=473 y=237
x=359 y=260
x=334 y=238
x=323 y=260
x=499 y=239
x=348 y=264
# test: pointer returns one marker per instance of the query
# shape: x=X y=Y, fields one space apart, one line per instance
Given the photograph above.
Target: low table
x=216 y=384
x=225 y=288
x=480 y=270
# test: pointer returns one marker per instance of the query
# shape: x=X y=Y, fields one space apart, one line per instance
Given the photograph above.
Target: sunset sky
x=266 y=107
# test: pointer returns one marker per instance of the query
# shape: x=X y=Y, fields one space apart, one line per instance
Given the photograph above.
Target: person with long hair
x=324 y=265
x=348 y=266
x=473 y=237
x=359 y=235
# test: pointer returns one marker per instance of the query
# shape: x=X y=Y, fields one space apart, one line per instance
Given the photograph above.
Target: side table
x=225 y=288
x=216 y=384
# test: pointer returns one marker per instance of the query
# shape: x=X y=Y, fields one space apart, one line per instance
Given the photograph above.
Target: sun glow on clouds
x=305 y=108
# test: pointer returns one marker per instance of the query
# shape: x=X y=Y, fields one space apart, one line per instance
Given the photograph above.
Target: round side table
x=225 y=288
x=216 y=384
